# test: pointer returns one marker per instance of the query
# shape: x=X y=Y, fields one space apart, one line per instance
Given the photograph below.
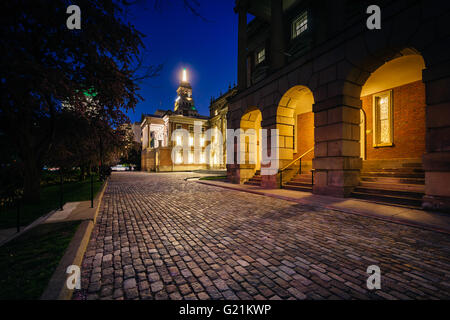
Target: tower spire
x=184 y=104
x=184 y=75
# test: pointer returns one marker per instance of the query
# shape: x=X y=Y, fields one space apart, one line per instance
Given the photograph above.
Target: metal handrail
x=296 y=159
x=290 y=164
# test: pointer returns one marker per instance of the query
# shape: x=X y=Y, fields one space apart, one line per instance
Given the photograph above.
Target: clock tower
x=184 y=104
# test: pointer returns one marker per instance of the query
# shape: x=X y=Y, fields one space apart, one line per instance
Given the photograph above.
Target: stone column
x=436 y=161
x=242 y=45
x=277 y=35
x=336 y=162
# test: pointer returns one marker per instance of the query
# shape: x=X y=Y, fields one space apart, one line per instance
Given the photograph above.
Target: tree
x=45 y=66
x=130 y=153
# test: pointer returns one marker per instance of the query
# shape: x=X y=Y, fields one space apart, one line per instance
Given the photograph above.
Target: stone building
x=218 y=110
x=367 y=110
x=157 y=131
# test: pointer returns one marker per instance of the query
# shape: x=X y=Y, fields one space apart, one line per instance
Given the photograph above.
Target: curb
x=404 y=222
x=56 y=288
x=99 y=198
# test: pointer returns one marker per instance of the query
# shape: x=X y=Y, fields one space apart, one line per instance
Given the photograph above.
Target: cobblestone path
x=160 y=237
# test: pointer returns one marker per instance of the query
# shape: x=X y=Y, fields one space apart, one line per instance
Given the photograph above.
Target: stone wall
x=335 y=71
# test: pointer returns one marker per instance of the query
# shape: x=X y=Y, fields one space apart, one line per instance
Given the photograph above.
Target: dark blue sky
x=176 y=38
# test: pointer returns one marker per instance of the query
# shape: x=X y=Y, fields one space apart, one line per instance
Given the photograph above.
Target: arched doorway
x=393 y=132
x=295 y=122
x=250 y=148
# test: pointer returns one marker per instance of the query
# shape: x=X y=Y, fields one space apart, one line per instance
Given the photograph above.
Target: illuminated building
x=367 y=110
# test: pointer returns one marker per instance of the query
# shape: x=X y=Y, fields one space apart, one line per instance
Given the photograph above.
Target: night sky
x=178 y=39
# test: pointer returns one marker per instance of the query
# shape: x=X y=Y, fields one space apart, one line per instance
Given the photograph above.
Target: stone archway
x=295 y=122
x=251 y=148
x=397 y=130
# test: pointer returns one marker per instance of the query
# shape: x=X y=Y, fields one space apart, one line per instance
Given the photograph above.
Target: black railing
x=291 y=167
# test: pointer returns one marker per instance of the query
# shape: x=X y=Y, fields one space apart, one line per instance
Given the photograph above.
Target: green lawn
x=214 y=178
x=73 y=191
x=28 y=262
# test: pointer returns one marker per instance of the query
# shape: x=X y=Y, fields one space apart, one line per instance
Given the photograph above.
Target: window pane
x=385 y=136
x=384 y=108
x=300 y=25
x=382 y=117
x=261 y=56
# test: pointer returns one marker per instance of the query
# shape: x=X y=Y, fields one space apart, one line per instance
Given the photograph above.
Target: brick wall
x=409 y=124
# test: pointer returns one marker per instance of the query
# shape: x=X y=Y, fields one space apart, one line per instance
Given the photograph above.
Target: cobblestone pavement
x=160 y=237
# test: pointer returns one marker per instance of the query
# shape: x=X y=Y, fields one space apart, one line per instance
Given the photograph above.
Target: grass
x=214 y=178
x=28 y=262
x=72 y=191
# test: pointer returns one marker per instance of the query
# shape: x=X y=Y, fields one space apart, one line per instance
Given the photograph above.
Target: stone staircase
x=403 y=185
x=256 y=180
x=301 y=182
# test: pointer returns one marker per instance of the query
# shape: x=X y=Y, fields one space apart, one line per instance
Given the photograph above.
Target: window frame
x=257 y=61
x=377 y=121
x=304 y=14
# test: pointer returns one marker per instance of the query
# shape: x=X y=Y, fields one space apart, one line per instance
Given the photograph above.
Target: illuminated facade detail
x=184 y=104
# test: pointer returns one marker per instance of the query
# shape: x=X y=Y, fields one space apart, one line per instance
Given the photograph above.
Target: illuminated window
x=260 y=56
x=202 y=158
x=202 y=142
x=191 y=141
x=191 y=157
x=178 y=158
x=300 y=25
x=178 y=141
x=383 y=123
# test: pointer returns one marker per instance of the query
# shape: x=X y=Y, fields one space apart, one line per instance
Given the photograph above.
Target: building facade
x=360 y=112
x=161 y=145
x=218 y=110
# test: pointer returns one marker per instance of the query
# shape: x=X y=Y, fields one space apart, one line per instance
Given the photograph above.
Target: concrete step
x=412 y=165
x=255 y=180
x=299 y=184
x=387 y=180
x=403 y=169
x=382 y=185
x=394 y=174
x=390 y=192
x=297 y=188
x=389 y=199
x=308 y=179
